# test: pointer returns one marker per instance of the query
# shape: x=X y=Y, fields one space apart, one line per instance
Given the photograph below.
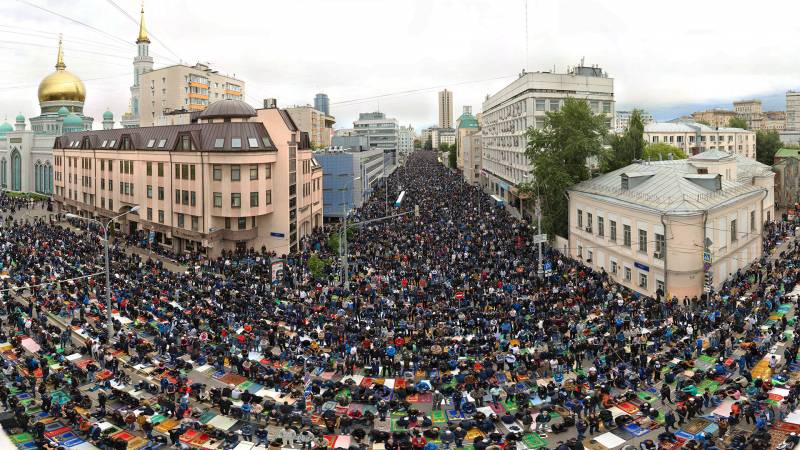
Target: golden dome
x=61 y=85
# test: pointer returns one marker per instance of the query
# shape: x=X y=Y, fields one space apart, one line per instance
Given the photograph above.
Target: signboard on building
x=641 y=266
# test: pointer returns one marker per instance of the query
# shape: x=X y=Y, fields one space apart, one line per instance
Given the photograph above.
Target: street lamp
x=104 y=226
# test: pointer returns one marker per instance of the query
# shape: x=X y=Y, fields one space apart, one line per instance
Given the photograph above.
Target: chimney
x=270 y=103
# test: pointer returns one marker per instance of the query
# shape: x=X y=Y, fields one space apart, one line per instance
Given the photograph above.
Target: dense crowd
x=448 y=300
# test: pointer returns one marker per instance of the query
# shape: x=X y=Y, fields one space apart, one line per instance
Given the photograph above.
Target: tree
x=417 y=144
x=452 y=157
x=661 y=151
x=429 y=143
x=767 y=144
x=704 y=122
x=558 y=153
x=317 y=266
x=737 y=122
x=625 y=148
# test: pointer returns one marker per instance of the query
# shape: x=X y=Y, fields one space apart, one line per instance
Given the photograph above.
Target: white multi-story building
x=406 y=142
x=649 y=224
x=623 y=119
x=382 y=132
x=508 y=114
x=694 y=138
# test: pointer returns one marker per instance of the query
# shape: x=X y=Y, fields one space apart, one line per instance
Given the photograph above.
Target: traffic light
x=708 y=280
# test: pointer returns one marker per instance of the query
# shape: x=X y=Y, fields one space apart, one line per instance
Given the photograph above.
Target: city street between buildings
x=446 y=338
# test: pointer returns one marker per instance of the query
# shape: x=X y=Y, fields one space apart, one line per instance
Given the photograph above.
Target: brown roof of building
x=203 y=135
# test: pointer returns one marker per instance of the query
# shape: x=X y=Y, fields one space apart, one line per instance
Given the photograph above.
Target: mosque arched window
x=16 y=171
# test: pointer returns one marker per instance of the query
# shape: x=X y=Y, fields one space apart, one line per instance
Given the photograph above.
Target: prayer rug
x=533 y=441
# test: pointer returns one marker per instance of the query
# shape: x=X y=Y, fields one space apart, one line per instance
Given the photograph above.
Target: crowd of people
x=448 y=300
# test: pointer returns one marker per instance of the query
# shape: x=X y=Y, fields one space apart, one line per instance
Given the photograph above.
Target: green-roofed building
x=786 y=153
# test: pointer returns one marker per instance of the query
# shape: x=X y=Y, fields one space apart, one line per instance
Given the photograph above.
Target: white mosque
x=26 y=154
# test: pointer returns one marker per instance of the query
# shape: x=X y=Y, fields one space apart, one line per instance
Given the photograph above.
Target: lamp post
x=104 y=227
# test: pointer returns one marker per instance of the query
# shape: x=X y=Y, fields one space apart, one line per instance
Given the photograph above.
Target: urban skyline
x=663 y=87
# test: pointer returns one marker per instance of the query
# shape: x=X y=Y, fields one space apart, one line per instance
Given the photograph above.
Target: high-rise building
x=155 y=93
x=187 y=88
x=509 y=113
x=793 y=111
x=382 y=132
x=322 y=104
x=316 y=123
x=236 y=179
x=445 y=109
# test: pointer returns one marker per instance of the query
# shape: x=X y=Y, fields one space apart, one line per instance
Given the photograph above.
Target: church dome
x=5 y=127
x=108 y=115
x=63 y=111
x=73 y=121
x=226 y=109
x=61 y=85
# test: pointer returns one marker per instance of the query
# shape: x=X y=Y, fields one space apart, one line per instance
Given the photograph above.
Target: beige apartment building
x=751 y=112
x=715 y=117
x=236 y=179
x=649 y=224
x=694 y=138
x=317 y=124
x=773 y=120
x=181 y=87
x=472 y=151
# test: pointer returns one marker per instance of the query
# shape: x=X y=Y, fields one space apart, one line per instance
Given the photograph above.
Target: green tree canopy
x=452 y=157
x=558 y=153
x=737 y=122
x=428 y=144
x=660 y=151
x=317 y=266
x=767 y=143
x=624 y=149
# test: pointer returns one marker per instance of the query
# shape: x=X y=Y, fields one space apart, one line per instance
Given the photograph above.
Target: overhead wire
x=68 y=38
x=133 y=19
x=65 y=17
x=414 y=91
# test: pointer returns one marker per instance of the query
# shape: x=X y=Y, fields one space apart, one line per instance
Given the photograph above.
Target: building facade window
x=217 y=171
x=253 y=172
x=734 y=237
x=600 y=226
x=235 y=173
x=642 y=241
x=661 y=244
x=628 y=274
x=643 y=281
x=218 y=199
x=254 y=199
x=626 y=235
x=612 y=230
x=236 y=200
x=580 y=219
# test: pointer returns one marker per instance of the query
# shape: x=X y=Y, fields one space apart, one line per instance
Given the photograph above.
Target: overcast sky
x=664 y=57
